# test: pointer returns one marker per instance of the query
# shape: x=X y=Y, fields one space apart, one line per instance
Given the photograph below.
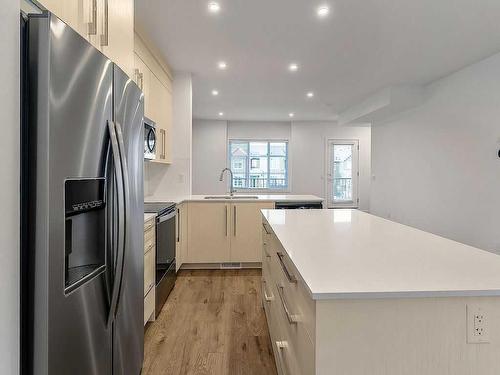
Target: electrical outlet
x=477 y=325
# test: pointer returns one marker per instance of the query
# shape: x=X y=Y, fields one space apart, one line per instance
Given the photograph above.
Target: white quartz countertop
x=349 y=254
x=148 y=217
x=260 y=198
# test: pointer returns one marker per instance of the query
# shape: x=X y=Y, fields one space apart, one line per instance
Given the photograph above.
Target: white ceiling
x=363 y=46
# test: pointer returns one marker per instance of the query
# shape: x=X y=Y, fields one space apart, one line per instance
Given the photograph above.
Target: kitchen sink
x=216 y=197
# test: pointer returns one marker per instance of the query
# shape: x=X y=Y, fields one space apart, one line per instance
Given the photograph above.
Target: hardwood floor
x=212 y=323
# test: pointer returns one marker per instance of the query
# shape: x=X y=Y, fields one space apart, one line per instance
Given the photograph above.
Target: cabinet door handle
x=92 y=25
x=105 y=36
x=281 y=346
x=139 y=77
x=292 y=319
x=234 y=220
x=225 y=213
x=266 y=297
x=290 y=276
x=162 y=132
x=265 y=228
x=178 y=225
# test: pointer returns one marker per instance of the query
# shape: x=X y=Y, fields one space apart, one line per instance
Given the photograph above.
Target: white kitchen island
x=349 y=293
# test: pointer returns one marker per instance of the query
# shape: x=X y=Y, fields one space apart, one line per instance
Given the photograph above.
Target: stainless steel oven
x=165 y=249
x=149 y=139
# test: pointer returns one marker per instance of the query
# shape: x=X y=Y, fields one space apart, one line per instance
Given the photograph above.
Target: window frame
x=354 y=203
x=268 y=190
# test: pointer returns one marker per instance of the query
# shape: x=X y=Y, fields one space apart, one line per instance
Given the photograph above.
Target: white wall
x=436 y=167
x=258 y=130
x=209 y=156
x=308 y=157
x=9 y=188
x=167 y=181
x=307 y=152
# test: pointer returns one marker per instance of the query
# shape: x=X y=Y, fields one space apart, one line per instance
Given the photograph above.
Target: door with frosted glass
x=342 y=173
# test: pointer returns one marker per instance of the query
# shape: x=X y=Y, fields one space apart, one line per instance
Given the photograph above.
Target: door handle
x=290 y=276
x=105 y=36
x=292 y=319
x=266 y=297
x=234 y=220
x=92 y=25
x=281 y=346
x=139 y=77
x=118 y=169
x=225 y=213
x=178 y=225
x=120 y=152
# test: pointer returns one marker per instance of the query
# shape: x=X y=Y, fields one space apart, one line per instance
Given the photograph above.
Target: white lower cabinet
x=225 y=232
x=289 y=310
x=149 y=269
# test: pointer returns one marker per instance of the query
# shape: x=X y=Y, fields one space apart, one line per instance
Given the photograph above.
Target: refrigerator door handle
x=118 y=274
x=125 y=212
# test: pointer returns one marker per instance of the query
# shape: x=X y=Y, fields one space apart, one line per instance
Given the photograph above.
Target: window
x=259 y=165
x=342 y=173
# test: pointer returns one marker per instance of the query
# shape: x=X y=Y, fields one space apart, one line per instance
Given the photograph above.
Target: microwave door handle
x=118 y=169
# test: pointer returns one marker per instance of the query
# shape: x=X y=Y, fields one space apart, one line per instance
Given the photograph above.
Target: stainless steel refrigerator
x=82 y=207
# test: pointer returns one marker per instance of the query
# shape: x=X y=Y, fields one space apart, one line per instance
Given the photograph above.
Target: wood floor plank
x=212 y=324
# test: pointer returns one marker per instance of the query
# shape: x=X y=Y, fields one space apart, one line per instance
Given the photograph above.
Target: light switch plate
x=477 y=325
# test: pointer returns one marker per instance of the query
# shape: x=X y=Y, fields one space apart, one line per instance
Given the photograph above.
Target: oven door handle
x=164 y=218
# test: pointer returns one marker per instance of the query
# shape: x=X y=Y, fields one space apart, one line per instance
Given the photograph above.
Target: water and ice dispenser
x=85 y=231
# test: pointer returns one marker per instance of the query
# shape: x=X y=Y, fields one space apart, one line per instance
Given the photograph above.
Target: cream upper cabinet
x=246 y=232
x=157 y=88
x=208 y=232
x=160 y=99
x=107 y=24
x=142 y=76
x=117 y=33
x=54 y=6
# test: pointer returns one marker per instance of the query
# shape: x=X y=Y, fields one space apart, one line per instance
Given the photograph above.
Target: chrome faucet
x=231 y=189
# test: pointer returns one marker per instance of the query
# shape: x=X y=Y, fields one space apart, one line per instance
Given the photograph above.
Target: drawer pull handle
x=266 y=297
x=265 y=251
x=281 y=346
x=265 y=228
x=292 y=319
x=290 y=276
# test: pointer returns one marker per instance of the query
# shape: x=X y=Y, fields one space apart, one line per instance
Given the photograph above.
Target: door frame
x=355 y=174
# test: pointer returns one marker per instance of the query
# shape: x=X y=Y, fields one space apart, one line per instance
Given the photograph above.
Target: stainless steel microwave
x=149 y=139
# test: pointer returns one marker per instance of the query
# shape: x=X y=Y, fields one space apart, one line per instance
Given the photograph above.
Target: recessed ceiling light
x=215 y=92
x=222 y=65
x=293 y=67
x=291 y=114
x=310 y=94
x=323 y=11
x=221 y=113
x=213 y=7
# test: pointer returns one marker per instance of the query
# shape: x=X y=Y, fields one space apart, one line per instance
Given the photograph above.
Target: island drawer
x=294 y=292
x=284 y=351
x=149 y=240
x=299 y=341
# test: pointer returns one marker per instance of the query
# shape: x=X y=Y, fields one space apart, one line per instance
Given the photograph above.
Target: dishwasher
x=298 y=205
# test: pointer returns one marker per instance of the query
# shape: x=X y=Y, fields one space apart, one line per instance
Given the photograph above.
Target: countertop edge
x=325 y=296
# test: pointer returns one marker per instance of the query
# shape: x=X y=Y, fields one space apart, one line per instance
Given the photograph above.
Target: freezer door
x=69 y=108
x=128 y=343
